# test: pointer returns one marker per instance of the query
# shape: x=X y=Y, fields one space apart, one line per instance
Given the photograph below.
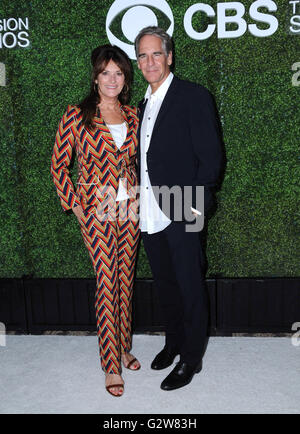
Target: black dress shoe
x=164 y=359
x=181 y=375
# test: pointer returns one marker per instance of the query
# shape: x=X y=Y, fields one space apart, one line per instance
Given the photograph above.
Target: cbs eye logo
x=126 y=18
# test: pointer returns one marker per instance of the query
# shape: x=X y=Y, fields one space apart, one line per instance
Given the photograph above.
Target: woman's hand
x=78 y=211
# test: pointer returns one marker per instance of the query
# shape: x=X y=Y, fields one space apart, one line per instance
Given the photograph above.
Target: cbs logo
x=132 y=16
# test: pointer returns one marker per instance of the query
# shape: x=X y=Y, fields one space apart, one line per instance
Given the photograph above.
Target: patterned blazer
x=100 y=163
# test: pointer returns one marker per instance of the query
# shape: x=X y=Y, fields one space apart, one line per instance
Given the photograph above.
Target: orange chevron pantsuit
x=109 y=228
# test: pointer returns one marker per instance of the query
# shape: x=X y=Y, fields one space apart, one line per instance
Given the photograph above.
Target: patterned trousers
x=112 y=246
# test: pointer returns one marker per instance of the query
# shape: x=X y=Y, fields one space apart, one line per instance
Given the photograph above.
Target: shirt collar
x=162 y=90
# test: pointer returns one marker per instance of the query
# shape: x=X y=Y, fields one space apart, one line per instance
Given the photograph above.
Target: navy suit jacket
x=185 y=147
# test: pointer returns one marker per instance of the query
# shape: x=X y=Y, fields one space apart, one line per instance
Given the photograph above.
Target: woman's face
x=110 y=81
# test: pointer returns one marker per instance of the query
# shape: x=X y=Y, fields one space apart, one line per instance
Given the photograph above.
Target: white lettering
x=12 y=24
x=223 y=19
x=4 y=40
x=24 y=25
x=193 y=423
x=238 y=19
x=2 y=75
x=294 y=2
x=200 y=7
x=23 y=36
x=295 y=21
x=116 y=424
x=14 y=33
x=263 y=18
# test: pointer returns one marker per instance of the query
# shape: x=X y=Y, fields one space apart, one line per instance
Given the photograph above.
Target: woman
x=102 y=130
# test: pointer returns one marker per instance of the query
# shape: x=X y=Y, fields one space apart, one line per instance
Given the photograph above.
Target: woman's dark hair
x=100 y=57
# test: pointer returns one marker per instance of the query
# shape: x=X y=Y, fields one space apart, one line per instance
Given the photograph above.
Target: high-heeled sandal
x=117 y=385
x=108 y=388
x=131 y=363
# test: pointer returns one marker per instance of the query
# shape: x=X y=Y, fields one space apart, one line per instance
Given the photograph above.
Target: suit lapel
x=131 y=121
x=166 y=104
x=105 y=132
x=141 y=109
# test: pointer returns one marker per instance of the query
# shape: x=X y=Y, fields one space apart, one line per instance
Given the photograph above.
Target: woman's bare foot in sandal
x=114 y=384
x=130 y=362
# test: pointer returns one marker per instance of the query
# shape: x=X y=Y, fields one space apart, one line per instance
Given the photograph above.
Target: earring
x=127 y=88
x=96 y=87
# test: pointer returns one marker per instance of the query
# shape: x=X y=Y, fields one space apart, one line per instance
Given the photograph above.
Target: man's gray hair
x=154 y=31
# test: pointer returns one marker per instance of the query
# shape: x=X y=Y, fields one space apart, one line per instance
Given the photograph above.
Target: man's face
x=152 y=60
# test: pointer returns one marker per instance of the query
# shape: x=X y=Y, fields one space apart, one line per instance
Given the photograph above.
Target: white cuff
x=196 y=211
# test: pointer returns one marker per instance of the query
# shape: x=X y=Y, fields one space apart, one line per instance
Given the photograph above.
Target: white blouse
x=119 y=133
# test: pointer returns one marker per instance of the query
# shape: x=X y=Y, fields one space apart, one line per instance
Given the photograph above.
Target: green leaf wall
x=255 y=231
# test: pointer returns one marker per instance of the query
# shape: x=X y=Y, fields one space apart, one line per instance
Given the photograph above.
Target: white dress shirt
x=152 y=219
x=119 y=133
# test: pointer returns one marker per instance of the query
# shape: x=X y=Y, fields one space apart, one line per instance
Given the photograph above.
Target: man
x=179 y=146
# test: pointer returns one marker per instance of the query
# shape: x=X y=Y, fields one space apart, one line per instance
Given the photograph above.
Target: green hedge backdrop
x=255 y=231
